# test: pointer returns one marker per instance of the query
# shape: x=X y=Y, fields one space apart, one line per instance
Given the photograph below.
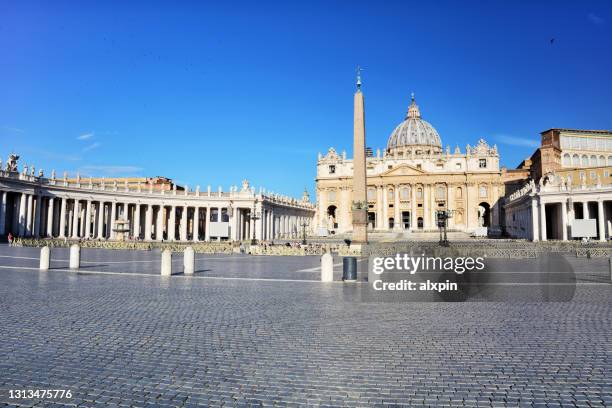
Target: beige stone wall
x=475 y=188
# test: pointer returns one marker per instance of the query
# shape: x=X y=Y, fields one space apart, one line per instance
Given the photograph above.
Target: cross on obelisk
x=359 y=204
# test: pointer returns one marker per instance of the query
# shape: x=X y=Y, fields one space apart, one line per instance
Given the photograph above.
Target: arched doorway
x=406 y=219
x=391 y=223
x=371 y=220
x=331 y=217
x=484 y=215
x=420 y=222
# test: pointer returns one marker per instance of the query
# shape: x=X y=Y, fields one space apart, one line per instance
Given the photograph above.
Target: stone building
x=568 y=180
x=410 y=181
x=87 y=208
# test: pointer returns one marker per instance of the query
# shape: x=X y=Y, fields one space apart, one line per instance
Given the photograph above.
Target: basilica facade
x=410 y=181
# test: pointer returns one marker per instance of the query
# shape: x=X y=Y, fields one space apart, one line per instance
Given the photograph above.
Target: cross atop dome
x=413 y=109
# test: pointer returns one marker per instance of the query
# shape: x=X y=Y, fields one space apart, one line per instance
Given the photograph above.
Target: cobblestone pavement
x=149 y=341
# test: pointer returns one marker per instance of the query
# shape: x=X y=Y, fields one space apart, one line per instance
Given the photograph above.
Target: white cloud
x=85 y=136
x=13 y=129
x=92 y=146
x=518 y=141
x=595 y=19
x=109 y=170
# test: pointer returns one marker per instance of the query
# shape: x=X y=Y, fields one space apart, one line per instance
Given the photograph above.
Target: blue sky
x=214 y=92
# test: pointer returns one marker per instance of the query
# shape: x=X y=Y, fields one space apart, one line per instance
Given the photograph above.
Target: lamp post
x=254 y=216
x=304 y=225
x=443 y=216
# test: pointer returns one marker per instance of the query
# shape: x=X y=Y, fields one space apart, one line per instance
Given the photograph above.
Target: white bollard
x=327 y=267
x=45 y=255
x=166 y=263
x=188 y=261
x=75 y=256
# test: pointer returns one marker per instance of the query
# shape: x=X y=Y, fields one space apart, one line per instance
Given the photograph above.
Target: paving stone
x=130 y=340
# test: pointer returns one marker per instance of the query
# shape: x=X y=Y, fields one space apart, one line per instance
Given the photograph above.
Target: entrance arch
x=331 y=217
x=484 y=215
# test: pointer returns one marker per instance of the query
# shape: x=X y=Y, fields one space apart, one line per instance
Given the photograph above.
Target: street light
x=254 y=216
x=443 y=216
x=304 y=225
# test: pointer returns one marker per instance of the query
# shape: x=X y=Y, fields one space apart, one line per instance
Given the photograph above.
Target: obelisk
x=359 y=204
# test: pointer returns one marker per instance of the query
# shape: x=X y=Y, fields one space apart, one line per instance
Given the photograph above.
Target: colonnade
x=552 y=218
x=40 y=215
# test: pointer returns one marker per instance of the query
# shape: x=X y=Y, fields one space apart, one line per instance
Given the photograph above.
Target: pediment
x=403 y=170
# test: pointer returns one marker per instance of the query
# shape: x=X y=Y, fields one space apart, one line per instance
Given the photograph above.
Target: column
x=585 y=210
x=449 y=204
x=564 y=219
x=37 y=217
x=88 y=220
x=385 y=220
x=207 y=225
x=398 y=222
x=542 y=220
x=113 y=218
x=413 y=208
x=271 y=233
x=196 y=224
x=30 y=215
x=148 y=222
x=23 y=202
x=82 y=217
x=172 y=224
x=3 y=199
x=379 y=208
x=159 y=234
x=75 y=220
x=600 y=220
x=62 y=223
x=126 y=217
x=50 y=214
x=136 y=221
x=100 y=219
x=184 y=220
x=258 y=224
x=426 y=216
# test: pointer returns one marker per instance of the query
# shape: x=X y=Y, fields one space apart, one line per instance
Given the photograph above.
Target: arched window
x=585 y=160
x=405 y=193
x=459 y=193
x=420 y=193
x=593 y=160
x=440 y=192
x=371 y=194
x=390 y=195
x=575 y=160
x=567 y=160
x=602 y=161
x=482 y=191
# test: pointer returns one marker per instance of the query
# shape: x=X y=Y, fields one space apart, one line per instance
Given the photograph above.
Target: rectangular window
x=458 y=166
x=224 y=215
x=482 y=163
x=332 y=169
x=214 y=215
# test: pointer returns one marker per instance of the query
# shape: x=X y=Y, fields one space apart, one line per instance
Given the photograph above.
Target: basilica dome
x=414 y=135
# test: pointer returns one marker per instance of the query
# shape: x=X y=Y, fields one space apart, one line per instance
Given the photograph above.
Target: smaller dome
x=414 y=131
